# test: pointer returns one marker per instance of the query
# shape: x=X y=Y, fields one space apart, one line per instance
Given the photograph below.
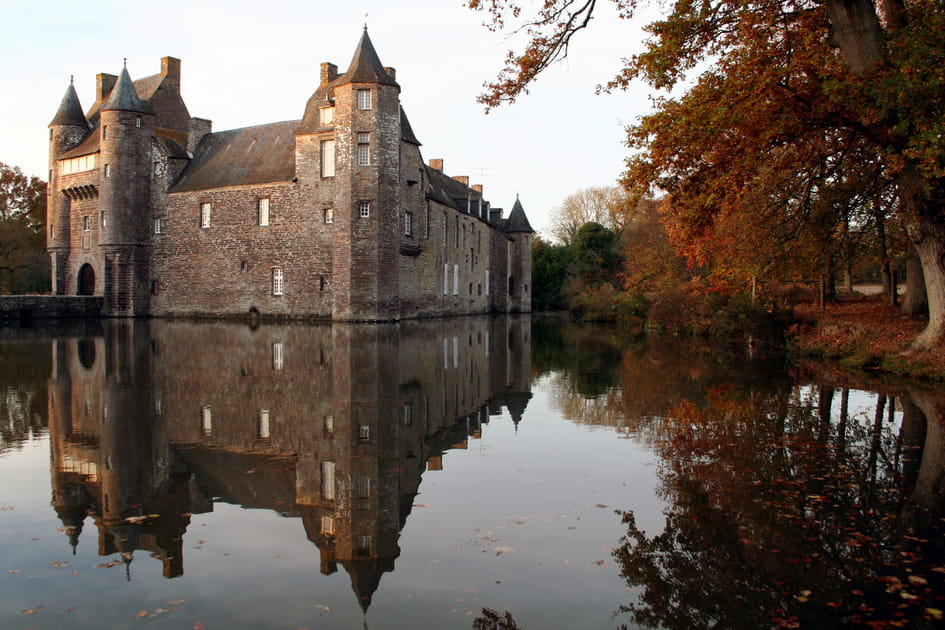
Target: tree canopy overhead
x=804 y=113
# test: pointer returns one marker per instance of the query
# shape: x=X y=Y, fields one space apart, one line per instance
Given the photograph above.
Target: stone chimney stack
x=329 y=72
x=170 y=70
x=477 y=188
x=103 y=85
x=437 y=164
x=391 y=72
x=462 y=179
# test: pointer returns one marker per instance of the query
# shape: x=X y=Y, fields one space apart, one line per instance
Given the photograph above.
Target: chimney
x=477 y=188
x=437 y=164
x=197 y=129
x=391 y=73
x=462 y=179
x=103 y=85
x=170 y=70
x=329 y=72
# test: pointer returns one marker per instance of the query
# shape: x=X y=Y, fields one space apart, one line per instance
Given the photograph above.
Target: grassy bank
x=864 y=333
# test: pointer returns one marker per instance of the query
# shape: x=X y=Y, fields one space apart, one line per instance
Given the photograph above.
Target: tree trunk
x=856 y=30
x=931 y=250
x=915 y=302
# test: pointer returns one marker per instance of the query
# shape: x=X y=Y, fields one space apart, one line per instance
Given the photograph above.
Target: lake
x=505 y=472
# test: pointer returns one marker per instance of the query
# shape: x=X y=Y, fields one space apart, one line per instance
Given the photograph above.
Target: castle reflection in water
x=152 y=421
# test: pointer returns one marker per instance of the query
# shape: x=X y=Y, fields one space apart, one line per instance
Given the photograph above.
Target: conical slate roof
x=365 y=66
x=517 y=221
x=70 y=111
x=124 y=97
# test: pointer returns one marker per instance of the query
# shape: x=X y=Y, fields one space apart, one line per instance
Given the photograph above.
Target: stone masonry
x=334 y=216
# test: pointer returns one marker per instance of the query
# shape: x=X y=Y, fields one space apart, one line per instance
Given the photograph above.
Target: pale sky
x=249 y=63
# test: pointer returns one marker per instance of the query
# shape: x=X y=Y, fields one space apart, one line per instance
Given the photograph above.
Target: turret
x=66 y=130
x=520 y=270
x=125 y=125
x=367 y=166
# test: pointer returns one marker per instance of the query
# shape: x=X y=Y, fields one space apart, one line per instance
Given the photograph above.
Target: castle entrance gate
x=86 y=280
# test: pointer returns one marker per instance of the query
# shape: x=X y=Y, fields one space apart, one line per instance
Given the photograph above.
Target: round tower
x=126 y=125
x=67 y=129
x=367 y=179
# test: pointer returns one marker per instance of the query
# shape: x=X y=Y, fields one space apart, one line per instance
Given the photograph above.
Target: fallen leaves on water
x=199 y=625
x=31 y=611
x=107 y=565
x=504 y=549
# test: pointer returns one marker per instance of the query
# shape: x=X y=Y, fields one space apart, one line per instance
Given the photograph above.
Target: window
x=364 y=545
x=262 y=431
x=86 y=224
x=455 y=279
x=206 y=420
x=262 y=211
x=52 y=231
x=487 y=282
x=277 y=356
x=408 y=414
x=362 y=487
x=329 y=424
x=278 y=281
x=364 y=433
x=105 y=170
x=104 y=132
x=364 y=209
x=364 y=149
x=328 y=158
x=408 y=223
x=78 y=164
x=158 y=226
x=328 y=215
x=426 y=222
x=137 y=121
x=205 y=214
x=364 y=99
x=328 y=481
x=103 y=218
x=328 y=525
x=446 y=279
x=326 y=115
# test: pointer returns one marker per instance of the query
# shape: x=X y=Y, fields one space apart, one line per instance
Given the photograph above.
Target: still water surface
x=196 y=475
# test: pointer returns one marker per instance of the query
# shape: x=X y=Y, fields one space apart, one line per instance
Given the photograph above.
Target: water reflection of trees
x=790 y=502
x=23 y=368
x=781 y=513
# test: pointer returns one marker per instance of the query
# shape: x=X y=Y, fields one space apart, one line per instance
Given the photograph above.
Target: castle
x=334 y=216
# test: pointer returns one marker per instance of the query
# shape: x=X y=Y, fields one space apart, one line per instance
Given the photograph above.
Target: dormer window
x=326 y=116
x=364 y=99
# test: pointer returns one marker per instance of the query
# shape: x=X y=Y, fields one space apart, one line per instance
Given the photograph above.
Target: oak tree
x=793 y=99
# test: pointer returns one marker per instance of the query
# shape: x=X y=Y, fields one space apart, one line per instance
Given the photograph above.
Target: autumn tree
x=605 y=205
x=788 y=90
x=24 y=265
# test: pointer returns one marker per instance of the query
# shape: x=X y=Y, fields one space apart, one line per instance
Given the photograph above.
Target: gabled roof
x=70 y=110
x=366 y=66
x=251 y=155
x=517 y=221
x=123 y=97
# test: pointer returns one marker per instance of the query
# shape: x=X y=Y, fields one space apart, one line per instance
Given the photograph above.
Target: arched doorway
x=86 y=280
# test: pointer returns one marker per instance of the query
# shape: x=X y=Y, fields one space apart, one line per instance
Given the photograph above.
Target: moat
x=177 y=474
